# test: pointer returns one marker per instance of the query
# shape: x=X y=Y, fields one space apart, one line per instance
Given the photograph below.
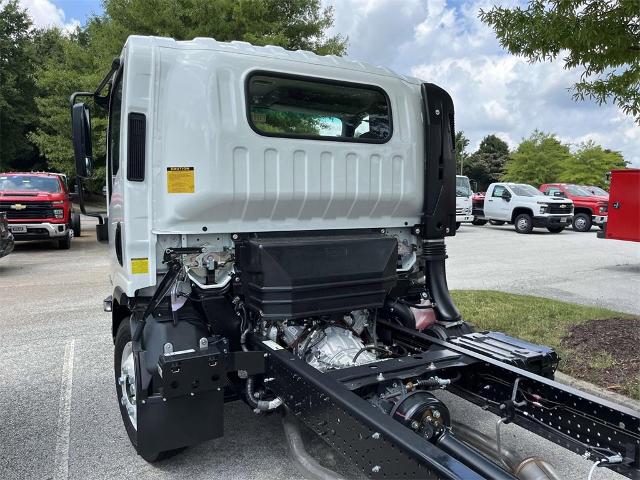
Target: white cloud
x=444 y=42
x=45 y=13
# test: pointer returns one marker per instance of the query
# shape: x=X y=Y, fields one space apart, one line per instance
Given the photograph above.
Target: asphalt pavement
x=58 y=413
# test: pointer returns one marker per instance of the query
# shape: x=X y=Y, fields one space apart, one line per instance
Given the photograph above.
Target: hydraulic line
x=261 y=405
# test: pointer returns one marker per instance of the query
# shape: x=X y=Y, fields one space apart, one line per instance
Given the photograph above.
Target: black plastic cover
x=519 y=353
x=296 y=277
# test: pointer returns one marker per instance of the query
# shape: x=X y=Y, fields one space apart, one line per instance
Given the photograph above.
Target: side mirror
x=81 y=134
x=506 y=196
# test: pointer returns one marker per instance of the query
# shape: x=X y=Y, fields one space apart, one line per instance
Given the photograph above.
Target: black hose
x=262 y=405
x=434 y=255
x=364 y=349
x=401 y=311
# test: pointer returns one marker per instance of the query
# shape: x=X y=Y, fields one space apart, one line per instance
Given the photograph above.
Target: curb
x=598 y=391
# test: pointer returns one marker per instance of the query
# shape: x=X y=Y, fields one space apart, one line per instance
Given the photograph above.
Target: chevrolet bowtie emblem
x=18 y=206
x=563 y=206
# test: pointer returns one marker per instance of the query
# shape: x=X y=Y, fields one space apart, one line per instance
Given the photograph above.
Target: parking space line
x=63 y=431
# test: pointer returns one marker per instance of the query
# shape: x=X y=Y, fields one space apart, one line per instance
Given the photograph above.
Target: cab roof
x=270 y=51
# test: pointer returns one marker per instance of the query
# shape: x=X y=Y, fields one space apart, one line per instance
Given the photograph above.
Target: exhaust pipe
x=530 y=468
x=306 y=464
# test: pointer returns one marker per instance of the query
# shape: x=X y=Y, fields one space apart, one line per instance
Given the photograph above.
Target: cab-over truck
x=276 y=226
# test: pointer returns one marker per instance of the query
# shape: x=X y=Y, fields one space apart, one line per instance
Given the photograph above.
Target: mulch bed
x=617 y=337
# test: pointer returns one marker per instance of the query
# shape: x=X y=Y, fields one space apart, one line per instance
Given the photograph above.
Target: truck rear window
x=292 y=106
x=29 y=183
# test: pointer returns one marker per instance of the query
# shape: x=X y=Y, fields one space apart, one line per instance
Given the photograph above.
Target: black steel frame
x=384 y=448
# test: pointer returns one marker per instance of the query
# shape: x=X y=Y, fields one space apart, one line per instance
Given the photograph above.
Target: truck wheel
x=458 y=225
x=65 y=243
x=75 y=224
x=582 y=222
x=125 y=372
x=555 y=229
x=496 y=222
x=477 y=221
x=524 y=223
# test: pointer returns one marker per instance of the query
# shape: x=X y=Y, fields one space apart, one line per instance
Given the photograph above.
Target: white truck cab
x=463 y=200
x=526 y=207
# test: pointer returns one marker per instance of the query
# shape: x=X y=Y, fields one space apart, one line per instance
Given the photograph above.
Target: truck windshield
x=524 y=190
x=463 y=188
x=577 y=191
x=597 y=191
x=29 y=183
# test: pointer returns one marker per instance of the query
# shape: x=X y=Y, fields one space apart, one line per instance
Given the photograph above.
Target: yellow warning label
x=180 y=180
x=139 y=265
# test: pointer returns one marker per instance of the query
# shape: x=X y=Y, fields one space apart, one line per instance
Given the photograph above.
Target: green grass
x=538 y=320
x=602 y=361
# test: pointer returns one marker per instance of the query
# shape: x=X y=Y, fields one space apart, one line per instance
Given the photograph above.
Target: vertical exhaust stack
x=438 y=217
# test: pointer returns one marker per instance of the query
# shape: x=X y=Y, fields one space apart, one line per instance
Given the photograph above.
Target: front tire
x=582 y=222
x=555 y=229
x=126 y=372
x=524 y=223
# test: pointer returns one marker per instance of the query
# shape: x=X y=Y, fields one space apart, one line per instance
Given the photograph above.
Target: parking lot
x=58 y=413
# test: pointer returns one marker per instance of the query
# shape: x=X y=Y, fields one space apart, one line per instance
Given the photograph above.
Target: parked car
x=6 y=238
x=623 y=221
x=463 y=201
x=38 y=207
x=588 y=209
x=596 y=190
x=526 y=208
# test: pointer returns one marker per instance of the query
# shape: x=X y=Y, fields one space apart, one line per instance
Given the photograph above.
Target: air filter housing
x=296 y=277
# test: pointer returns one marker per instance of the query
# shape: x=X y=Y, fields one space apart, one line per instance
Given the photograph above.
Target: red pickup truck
x=38 y=207
x=588 y=209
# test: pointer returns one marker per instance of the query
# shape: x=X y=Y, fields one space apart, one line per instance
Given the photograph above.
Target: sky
x=444 y=42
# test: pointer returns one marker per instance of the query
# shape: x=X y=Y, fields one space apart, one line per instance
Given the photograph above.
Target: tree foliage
x=539 y=159
x=486 y=165
x=600 y=37
x=17 y=86
x=590 y=164
x=79 y=60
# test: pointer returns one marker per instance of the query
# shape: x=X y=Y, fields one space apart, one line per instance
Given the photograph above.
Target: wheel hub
x=127 y=382
x=522 y=223
x=580 y=223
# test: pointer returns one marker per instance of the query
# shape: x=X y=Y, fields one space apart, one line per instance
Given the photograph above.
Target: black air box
x=295 y=277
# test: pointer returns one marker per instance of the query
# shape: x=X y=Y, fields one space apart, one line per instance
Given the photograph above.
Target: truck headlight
x=58 y=213
x=544 y=208
x=603 y=209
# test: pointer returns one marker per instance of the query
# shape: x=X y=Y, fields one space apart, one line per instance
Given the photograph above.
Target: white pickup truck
x=526 y=207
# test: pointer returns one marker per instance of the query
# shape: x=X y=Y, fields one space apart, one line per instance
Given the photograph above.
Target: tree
x=462 y=143
x=539 y=159
x=590 y=164
x=17 y=87
x=78 y=61
x=600 y=37
x=486 y=165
